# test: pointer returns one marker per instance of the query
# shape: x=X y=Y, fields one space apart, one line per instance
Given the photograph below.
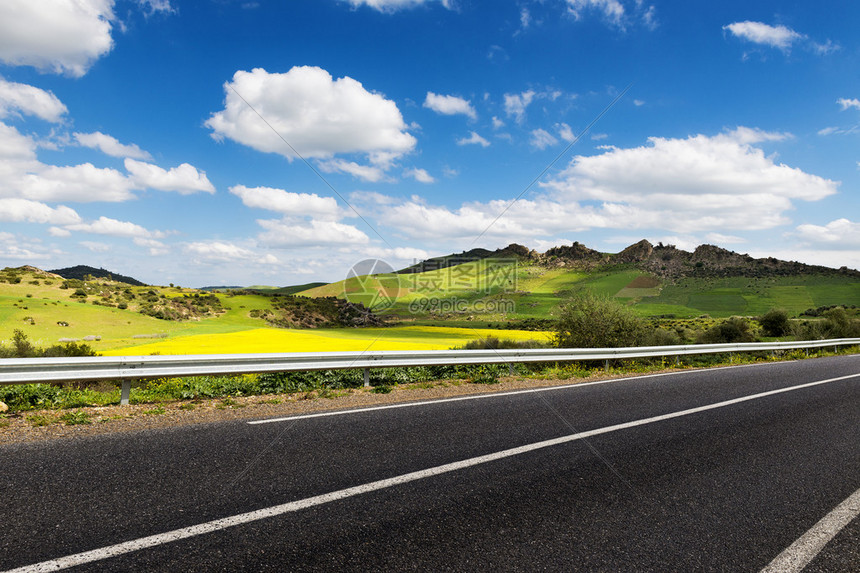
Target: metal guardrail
x=128 y=368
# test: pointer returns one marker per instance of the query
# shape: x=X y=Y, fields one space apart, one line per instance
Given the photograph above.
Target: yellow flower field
x=263 y=340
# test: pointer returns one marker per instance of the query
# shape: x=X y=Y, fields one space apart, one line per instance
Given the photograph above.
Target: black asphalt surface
x=722 y=490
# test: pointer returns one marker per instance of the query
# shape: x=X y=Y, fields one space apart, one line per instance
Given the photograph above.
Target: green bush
x=775 y=322
x=590 y=320
x=729 y=331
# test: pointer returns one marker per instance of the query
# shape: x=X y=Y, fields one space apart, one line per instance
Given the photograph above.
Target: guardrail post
x=125 y=393
x=511 y=368
x=366 y=377
x=606 y=365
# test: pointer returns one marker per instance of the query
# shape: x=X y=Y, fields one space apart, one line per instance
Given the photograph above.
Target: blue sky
x=268 y=142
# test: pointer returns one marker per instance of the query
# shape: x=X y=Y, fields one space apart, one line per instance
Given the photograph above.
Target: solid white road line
x=800 y=553
x=221 y=524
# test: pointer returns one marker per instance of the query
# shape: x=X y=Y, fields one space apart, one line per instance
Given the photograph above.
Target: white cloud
x=107 y=226
x=11 y=247
x=218 y=251
x=473 y=139
x=759 y=33
x=155 y=6
x=95 y=246
x=370 y=173
x=20 y=210
x=58 y=232
x=565 y=132
x=80 y=183
x=319 y=116
x=698 y=185
x=29 y=100
x=516 y=104
x=419 y=175
x=839 y=234
x=449 y=105
x=110 y=146
x=845 y=103
x=615 y=13
x=155 y=248
x=281 y=201
x=498 y=123
x=184 y=179
x=612 y=10
x=541 y=139
x=295 y=232
x=61 y=36
x=390 y=6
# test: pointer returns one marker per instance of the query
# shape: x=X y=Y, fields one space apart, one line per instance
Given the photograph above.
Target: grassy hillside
x=50 y=311
x=498 y=289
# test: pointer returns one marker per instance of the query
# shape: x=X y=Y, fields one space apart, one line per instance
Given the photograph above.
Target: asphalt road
x=723 y=488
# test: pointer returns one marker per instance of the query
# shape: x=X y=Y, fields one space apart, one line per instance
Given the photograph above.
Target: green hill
x=657 y=281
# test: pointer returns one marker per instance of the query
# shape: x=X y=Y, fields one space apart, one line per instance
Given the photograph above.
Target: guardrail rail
x=129 y=368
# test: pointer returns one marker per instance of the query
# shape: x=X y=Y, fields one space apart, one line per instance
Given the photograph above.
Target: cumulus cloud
x=297 y=232
x=419 y=175
x=700 y=184
x=18 y=98
x=370 y=173
x=281 y=201
x=60 y=36
x=319 y=116
x=218 y=251
x=473 y=139
x=24 y=210
x=780 y=37
x=839 y=234
x=110 y=146
x=760 y=33
x=450 y=105
x=184 y=179
x=846 y=103
x=79 y=183
x=113 y=227
x=12 y=247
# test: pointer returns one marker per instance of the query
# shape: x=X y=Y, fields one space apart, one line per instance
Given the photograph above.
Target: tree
x=775 y=322
x=590 y=320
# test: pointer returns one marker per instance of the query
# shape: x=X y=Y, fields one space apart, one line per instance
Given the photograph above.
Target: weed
x=187 y=406
x=40 y=420
x=76 y=418
x=381 y=389
x=157 y=411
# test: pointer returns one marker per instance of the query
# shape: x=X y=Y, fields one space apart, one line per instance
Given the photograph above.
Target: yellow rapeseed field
x=262 y=340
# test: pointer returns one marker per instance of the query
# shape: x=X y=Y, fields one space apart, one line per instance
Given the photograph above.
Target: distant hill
x=80 y=271
x=512 y=251
x=297 y=288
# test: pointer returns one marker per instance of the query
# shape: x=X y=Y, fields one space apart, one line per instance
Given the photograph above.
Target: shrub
x=589 y=320
x=775 y=322
x=735 y=329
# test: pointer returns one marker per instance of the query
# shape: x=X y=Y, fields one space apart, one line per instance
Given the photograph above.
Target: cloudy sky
x=268 y=142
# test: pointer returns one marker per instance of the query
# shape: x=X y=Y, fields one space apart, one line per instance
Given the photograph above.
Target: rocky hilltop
x=666 y=261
